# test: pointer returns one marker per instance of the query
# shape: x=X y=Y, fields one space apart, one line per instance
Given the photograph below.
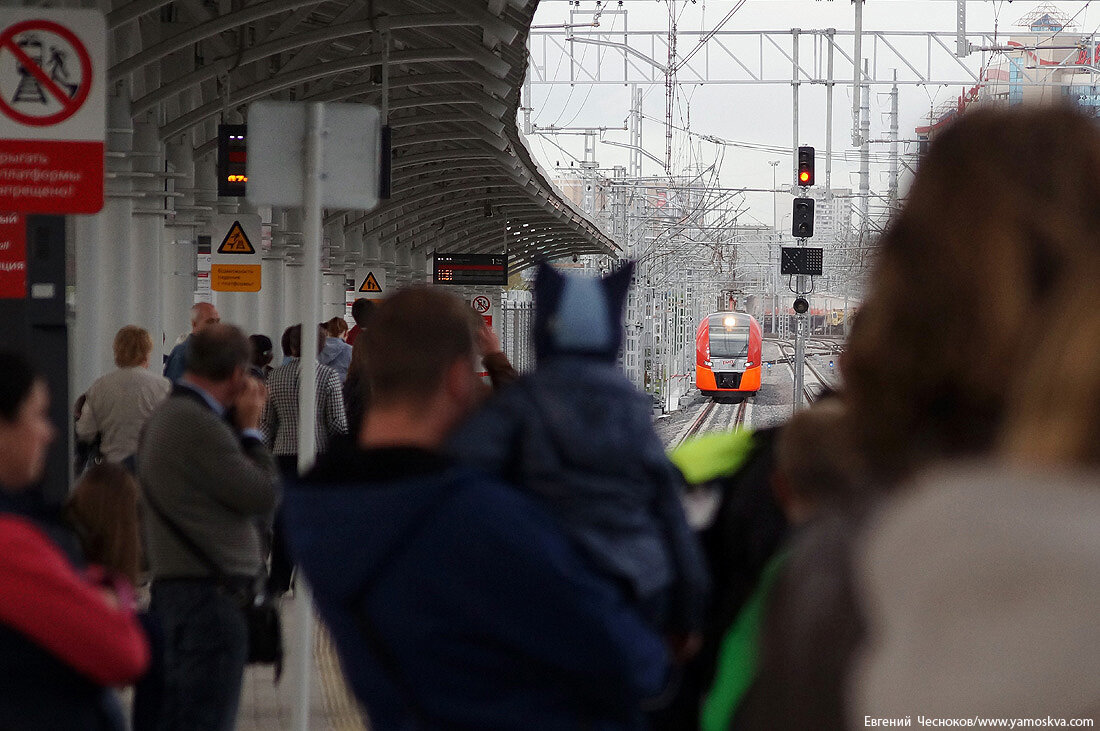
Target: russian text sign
x=13 y=256
x=53 y=109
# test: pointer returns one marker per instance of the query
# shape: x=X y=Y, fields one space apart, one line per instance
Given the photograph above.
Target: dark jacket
x=455 y=601
x=577 y=435
x=216 y=484
x=747 y=531
x=176 y=363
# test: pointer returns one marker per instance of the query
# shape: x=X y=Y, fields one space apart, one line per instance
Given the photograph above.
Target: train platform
x=269 y=706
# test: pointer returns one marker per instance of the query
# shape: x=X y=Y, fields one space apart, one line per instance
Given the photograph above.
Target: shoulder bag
x=261 y=613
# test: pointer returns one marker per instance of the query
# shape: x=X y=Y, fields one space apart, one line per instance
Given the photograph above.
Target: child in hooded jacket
x=579 y=436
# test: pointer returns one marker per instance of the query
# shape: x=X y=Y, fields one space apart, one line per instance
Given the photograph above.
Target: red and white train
x=727 y=355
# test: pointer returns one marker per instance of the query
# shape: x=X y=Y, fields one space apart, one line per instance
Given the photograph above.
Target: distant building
x=832 y=215
x=1045 y=63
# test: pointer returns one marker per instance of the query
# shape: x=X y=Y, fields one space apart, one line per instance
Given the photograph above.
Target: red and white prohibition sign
x=53 y=72
x=53 y=110
x=482 y=304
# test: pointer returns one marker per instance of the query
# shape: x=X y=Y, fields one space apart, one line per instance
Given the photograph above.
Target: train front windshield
x=728 y=342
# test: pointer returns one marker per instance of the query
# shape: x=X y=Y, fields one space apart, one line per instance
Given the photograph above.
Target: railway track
x=714 y=416
x=809 y=390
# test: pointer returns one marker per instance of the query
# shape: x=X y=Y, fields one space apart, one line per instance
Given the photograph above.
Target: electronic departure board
x=232 y=159
x=471 y=269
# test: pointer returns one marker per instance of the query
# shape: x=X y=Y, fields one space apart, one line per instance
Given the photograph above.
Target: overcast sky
x=762 y=115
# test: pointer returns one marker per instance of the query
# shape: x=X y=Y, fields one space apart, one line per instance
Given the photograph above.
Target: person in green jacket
x=814 y=464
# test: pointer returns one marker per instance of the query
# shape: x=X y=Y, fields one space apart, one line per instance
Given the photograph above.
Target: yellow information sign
x=370 y=284
x=235 y=278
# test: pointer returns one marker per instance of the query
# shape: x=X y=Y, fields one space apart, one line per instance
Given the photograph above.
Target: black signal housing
x=805 y=166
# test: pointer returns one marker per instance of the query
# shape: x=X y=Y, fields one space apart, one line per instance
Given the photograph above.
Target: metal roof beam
x=214 y=27
x=277 y=83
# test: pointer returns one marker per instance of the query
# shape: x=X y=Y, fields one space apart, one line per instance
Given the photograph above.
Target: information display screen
x=465 y=269
x=801 y=260
x=232 y=159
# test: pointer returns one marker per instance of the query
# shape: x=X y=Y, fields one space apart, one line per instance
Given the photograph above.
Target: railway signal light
x=806 y=260
x=801 y=306
x=802 y=226
x=805 y=166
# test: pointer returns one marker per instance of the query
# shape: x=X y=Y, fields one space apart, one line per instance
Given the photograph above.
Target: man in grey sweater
x=203 y=467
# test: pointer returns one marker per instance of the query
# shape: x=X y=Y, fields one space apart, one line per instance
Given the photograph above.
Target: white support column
x=332 y=282
x=404 y=265
x=178 y=251
x=104 y=258
x=353 y=259
x=309 y=307
x=332 y=296
x=293 y=275
x=118 y=212
x=91 y=351
x=419 y=266
x=389 y=263
x=206 y=198
x=274 y=292
x=148 y=231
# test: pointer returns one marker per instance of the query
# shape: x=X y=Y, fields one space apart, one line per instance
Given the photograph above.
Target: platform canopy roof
x=446 y=74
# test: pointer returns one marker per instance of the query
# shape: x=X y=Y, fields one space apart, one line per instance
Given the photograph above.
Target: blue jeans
x=205 y=649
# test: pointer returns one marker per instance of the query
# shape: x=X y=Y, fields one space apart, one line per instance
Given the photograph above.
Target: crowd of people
x=924 y=543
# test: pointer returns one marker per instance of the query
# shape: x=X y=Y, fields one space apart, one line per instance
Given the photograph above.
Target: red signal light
x=806 y=166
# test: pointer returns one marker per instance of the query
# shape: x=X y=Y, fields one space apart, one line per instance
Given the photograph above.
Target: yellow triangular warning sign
x=370 y=284
x=236 y=241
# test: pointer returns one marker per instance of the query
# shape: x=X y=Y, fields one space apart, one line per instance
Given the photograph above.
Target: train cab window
x=729 y=342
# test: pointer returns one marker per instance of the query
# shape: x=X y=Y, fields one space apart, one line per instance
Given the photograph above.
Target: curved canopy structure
x=446 y=75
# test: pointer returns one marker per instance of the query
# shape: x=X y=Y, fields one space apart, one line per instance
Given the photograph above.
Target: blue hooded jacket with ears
x=579 y=436
x=580 y=315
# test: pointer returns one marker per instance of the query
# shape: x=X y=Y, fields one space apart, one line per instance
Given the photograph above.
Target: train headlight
x=729 y=321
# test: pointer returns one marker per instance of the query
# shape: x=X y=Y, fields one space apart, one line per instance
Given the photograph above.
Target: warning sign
x=13 y=256
x=236 y=263
x=482 y=304
x=52 y=110
x=236 y=241
x=370 y=284
x=53 y=72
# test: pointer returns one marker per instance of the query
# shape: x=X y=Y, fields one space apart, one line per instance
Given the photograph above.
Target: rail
x=707 y=419
x=808 y=390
